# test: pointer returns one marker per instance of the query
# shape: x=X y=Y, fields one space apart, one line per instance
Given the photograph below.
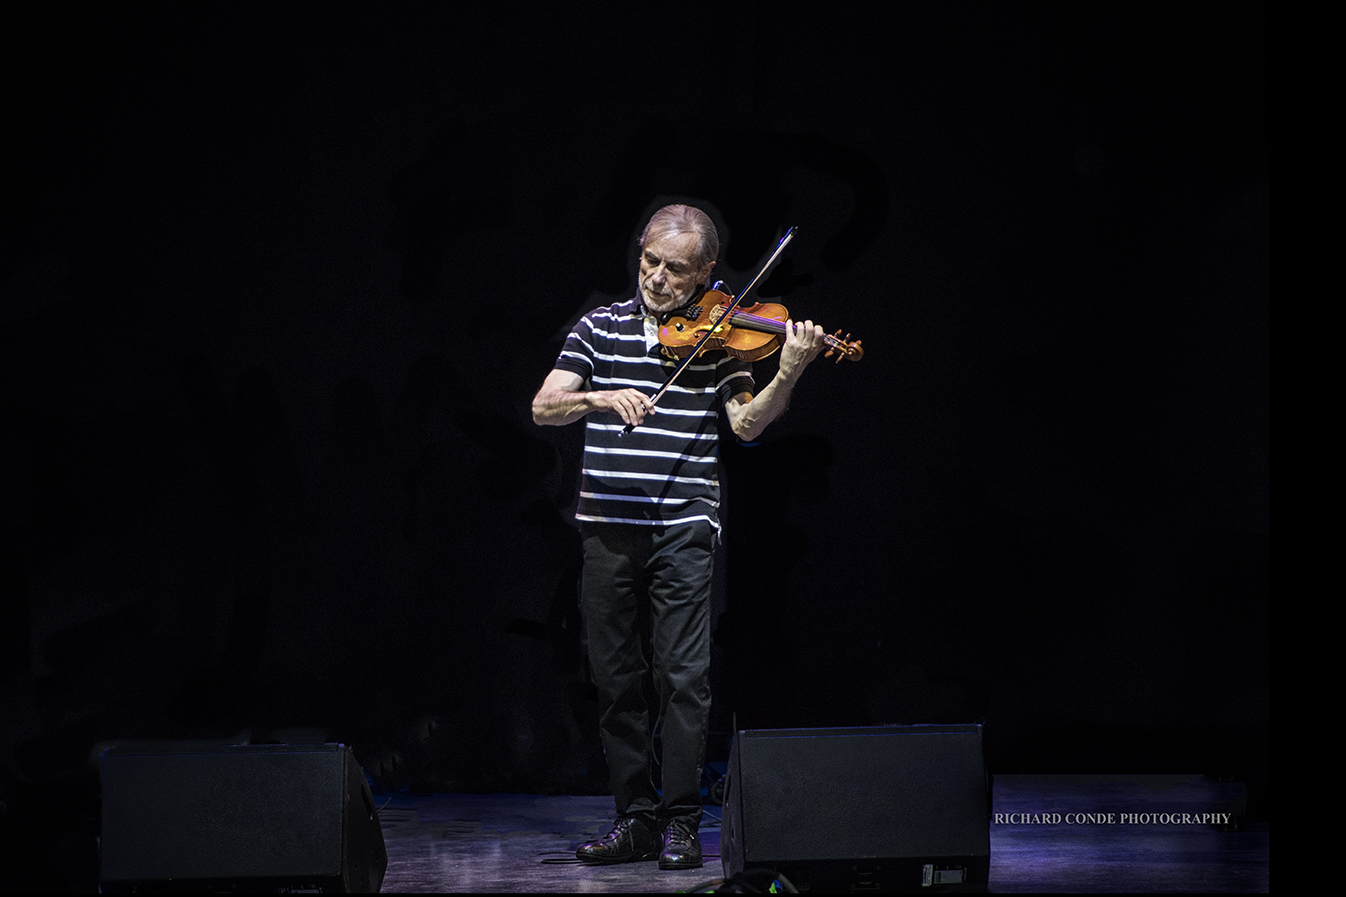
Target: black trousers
x=663 y=574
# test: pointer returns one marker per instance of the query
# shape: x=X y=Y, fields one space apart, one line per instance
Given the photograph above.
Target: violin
x=718 y=320
x=751 y=332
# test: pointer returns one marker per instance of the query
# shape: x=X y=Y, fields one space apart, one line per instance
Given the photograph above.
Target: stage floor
x=495 y=843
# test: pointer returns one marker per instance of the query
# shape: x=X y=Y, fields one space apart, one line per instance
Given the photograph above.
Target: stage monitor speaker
x=895 y=808
x=240 y=818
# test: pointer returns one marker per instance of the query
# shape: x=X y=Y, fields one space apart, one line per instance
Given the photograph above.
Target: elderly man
x=648 y=513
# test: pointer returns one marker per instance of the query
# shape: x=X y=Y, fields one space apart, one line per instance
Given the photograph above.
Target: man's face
x=669 y=271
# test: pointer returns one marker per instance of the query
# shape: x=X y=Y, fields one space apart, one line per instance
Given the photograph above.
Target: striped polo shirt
x=665 y=470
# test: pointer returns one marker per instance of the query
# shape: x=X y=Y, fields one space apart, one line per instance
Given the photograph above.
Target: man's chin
x=660 y=303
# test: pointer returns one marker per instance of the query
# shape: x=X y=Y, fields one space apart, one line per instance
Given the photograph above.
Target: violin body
x=682 y=332
x=752 y=332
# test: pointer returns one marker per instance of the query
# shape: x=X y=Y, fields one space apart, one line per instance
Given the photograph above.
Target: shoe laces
x=622 y=825
x=678 y=833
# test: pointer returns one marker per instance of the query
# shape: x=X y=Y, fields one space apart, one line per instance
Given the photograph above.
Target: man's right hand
x=630 y=403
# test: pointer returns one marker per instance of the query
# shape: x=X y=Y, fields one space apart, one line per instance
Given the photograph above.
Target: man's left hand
x=803 y=342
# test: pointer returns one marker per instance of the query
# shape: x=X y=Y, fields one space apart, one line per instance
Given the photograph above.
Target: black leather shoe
x=629 y=841
x=682 y=849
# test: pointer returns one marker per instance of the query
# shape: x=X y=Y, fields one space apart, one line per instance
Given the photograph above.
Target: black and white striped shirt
x=665 y=470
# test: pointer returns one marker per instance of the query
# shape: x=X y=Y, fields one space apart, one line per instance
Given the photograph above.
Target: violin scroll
x=843 y=348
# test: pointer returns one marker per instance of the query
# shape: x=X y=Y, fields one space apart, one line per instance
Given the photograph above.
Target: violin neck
x=757 y=323
x=772 y=325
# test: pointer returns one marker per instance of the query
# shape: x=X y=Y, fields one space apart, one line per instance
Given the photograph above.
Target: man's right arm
x=562 y=400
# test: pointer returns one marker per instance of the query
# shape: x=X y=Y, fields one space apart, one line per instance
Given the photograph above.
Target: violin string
x=771 y=324
x=779 y=326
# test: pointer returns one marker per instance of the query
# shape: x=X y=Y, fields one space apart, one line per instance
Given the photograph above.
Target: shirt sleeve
x=577 y=355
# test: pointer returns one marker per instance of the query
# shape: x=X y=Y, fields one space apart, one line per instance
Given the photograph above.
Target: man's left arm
x=749 y=414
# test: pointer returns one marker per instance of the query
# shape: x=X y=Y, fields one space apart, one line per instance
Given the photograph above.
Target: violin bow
x=724 y=318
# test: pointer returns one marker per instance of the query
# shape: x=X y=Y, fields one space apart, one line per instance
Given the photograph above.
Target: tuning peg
x=840 y=348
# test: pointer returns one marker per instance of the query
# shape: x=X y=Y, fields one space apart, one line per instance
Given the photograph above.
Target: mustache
x=659 y=294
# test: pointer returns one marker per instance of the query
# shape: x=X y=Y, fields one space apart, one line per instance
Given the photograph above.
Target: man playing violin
x=649 y=517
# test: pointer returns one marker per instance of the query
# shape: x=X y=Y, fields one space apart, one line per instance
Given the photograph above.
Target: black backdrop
x=280 y=282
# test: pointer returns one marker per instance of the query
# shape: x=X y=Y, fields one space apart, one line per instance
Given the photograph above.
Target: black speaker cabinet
x=897 y=808
x=241 y=818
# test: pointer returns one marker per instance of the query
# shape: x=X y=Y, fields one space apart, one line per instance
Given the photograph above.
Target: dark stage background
x=280 y=282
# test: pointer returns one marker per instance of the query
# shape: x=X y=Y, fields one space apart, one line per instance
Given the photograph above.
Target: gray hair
x=680 y=219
